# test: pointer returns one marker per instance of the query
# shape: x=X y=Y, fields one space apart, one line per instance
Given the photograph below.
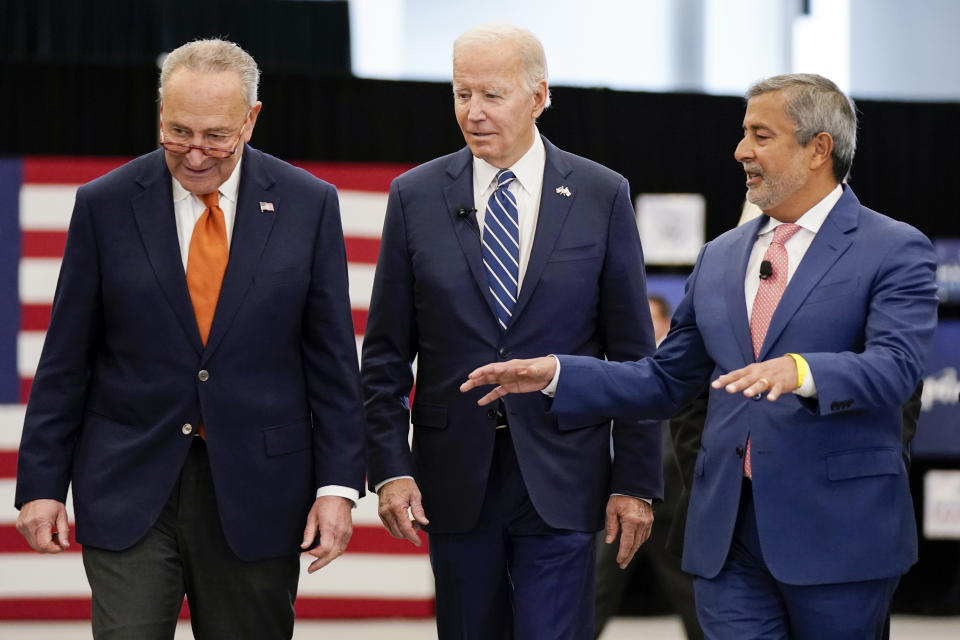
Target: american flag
x=377 y=577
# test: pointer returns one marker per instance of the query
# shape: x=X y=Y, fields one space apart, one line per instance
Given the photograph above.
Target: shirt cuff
x=379 y=485
x=647 y=500
x=807 y=388
x=336 y=490
x=551 y=389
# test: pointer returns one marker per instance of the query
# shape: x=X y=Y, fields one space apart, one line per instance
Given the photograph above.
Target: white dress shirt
x=187 y=209
x=526 y=189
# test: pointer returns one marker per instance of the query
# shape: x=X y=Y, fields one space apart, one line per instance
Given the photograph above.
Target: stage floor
x=665 y=628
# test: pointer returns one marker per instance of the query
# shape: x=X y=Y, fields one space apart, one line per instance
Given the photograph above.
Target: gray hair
x=533 y=60
x=816 y=104
x=213 y=56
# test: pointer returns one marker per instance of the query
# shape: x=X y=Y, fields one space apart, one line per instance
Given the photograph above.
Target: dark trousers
x=745 y=601
x=138 y=592
x=513 y=576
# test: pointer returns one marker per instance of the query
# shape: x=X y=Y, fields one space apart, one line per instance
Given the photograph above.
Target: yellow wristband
x=802 y=368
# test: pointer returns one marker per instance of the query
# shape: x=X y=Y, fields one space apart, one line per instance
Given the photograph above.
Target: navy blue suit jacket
x=830 y=487
x=118 y=377
x=584 y=292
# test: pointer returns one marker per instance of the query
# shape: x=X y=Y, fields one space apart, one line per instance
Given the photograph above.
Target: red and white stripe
x=377 y=577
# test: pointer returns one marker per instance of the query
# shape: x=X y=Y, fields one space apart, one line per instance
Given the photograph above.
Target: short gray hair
x=213 y=56
x=533 y=60
x=816 y=104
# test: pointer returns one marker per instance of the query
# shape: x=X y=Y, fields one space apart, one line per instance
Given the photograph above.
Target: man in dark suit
x=507 y=247
x=198 y=386
x=800 y=521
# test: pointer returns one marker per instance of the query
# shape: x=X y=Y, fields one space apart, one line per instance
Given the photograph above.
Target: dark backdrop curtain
x=905 y=166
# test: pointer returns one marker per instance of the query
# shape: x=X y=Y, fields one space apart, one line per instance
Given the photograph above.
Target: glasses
x=180 y=148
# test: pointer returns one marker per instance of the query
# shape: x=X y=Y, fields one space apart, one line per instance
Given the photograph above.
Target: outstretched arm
x=513 y=376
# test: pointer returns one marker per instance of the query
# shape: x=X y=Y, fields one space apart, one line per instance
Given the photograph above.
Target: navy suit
x=124 y=371
x=830 y=490
x=584 y=292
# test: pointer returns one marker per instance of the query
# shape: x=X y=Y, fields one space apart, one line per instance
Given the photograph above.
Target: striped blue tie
x=501 y=247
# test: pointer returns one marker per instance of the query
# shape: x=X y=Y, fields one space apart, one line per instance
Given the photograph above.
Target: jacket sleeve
x=627 y=334
x=389 y=347
x=901 y=318
x=330 y=359
x=58 y=394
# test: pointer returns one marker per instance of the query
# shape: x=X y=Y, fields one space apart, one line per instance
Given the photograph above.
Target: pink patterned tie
x=768 y=296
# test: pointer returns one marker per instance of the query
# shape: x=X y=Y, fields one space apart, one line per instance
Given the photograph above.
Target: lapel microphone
x=465 y=213
x=766 y=269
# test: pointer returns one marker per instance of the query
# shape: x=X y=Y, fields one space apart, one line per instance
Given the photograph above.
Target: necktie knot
x=504 y=178
x=784 y=232
x=210 y=200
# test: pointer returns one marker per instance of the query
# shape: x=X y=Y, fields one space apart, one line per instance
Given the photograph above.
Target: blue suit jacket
x=584 y=292
x=118 y=377
x=831 y=493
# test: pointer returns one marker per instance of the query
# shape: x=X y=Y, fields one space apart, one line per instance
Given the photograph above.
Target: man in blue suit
x=508 y=247
x=800 y=521
x=198 y=386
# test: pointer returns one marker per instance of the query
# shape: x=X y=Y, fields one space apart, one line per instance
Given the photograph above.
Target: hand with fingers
x=401 y=509
x=44 y=525
x=633 y=519
x=514 y=376
x=330 y=518
x=776 y=377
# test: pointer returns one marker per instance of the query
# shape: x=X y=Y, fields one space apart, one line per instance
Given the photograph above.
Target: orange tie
x=207 y=262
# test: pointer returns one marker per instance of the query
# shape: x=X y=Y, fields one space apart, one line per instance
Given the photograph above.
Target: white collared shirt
x=187 y=209
x=810 y=223
x=526 y=188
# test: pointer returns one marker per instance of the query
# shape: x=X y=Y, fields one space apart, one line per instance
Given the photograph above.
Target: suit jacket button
x=739 y=452
x=503 y=353
x=204 y=375
x=186 y=429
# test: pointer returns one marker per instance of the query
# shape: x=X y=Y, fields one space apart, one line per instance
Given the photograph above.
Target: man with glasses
x=198 y=385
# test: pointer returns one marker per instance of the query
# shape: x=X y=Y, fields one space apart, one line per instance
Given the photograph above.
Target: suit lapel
x=554 y=209
x=459 y=194
x=831 y=241
x=153 y=213
x=251 y=228
x=733 y=291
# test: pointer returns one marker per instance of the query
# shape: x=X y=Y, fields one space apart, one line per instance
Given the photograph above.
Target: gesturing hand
x=776 y=377
x=514 y=376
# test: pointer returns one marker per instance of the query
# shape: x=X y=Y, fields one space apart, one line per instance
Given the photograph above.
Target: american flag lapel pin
x=266 y=206
x=564 y=191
